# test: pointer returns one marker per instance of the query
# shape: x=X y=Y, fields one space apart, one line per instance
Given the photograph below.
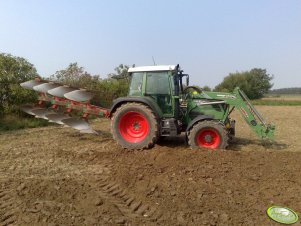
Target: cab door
x=158 y=87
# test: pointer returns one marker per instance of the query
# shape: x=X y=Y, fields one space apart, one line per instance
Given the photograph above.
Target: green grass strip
x=15 y=122
x=277 y=102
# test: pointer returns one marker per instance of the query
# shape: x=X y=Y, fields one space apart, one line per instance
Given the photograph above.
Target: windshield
x=136 y=84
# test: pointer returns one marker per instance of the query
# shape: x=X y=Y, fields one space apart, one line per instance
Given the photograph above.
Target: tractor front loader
x=157 y=105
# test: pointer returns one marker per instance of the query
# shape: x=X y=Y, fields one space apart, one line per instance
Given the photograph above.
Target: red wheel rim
x=208 y=138
x=133 y=127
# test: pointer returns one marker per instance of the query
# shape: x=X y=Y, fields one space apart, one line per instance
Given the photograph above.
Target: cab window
x=136 y=84
x=157 y=83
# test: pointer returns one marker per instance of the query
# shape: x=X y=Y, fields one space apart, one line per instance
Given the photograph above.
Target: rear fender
x=144 y=100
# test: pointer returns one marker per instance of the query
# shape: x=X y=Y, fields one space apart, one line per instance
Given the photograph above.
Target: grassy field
x=15 y=122
x=284 y=96
x=279 y=100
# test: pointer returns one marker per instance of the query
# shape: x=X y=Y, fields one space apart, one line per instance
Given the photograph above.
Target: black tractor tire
x=135 y=126
x=208 y=134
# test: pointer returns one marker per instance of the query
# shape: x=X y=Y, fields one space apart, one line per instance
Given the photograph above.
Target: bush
x=105 y=90
x=15 y=121
x=13 y=71
x=254 y=83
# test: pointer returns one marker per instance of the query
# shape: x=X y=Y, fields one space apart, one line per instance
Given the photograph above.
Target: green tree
x=255 y=83
x=105 y=90
x=13 y=71
x=206 y=88
x=76 y=76
x=116 y=85
x=121 y=72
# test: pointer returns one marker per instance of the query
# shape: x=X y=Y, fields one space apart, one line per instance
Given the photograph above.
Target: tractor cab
x=156 y=82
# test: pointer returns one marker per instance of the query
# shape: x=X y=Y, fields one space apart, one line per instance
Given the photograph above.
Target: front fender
x=197 y=119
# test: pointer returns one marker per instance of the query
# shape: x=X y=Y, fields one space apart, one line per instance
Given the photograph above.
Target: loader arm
x=239 y=100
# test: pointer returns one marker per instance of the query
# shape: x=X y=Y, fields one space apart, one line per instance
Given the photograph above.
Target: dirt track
x=56 y=176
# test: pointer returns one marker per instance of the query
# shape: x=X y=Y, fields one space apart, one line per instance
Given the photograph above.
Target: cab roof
x=153 y=68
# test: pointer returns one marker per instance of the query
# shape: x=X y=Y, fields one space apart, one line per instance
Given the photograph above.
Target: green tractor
x=158 y=105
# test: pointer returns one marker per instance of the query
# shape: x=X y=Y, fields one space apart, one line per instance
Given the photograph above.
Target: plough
x=64 y=97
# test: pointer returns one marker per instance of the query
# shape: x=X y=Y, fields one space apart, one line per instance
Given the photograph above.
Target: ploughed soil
x=57 y=176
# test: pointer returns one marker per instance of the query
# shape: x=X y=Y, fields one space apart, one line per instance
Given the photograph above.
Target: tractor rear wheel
x=134 y=126
x=208 y=134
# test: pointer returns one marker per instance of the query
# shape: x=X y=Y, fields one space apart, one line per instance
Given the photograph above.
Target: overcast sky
x=209 y=39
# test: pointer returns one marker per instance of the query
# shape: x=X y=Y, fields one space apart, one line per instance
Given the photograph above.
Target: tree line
x=292 y=90
x=105 y=90
x=15 y=70
x=255 y=83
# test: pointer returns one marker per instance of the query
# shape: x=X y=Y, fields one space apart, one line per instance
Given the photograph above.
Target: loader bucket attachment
x=79 y=96
x=30 y=108
x=30 y=84
x=43 y=88
x=79 y=124
x=57 y=117
x=41 y=113
x=60 y=91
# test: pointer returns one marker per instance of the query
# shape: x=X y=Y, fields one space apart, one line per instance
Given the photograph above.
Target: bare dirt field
x=57 y=176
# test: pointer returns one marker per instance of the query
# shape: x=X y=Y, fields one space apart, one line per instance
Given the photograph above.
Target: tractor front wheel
x=208 y=134
x=134 y=126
